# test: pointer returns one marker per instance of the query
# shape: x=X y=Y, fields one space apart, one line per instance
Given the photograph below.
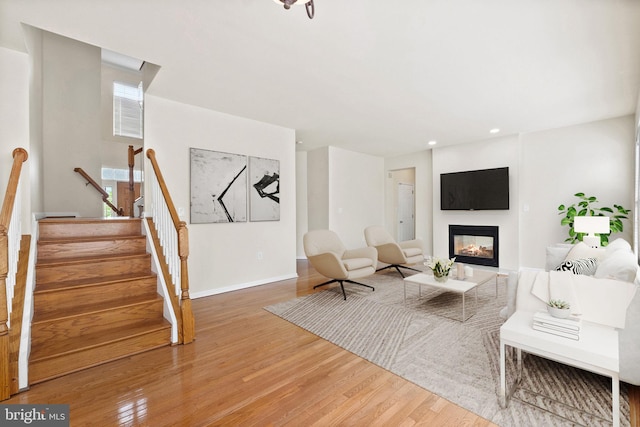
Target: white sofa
x=615 y=261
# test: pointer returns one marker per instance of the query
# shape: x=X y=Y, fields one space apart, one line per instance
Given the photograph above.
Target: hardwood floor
x=247 y=367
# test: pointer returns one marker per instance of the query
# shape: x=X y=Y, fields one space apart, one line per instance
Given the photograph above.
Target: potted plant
x=559 y=308
x=586 y=206
x=440 y=267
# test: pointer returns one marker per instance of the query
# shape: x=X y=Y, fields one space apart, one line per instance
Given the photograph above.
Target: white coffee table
x=461 y=287
x=596 y=351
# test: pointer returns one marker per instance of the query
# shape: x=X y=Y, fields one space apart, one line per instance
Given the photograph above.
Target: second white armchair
x=397 y=255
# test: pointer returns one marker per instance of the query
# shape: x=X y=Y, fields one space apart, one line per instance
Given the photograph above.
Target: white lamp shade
x=591 y=224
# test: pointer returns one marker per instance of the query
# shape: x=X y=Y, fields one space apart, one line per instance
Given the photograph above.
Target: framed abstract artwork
x=264 y=189
x=218 y=187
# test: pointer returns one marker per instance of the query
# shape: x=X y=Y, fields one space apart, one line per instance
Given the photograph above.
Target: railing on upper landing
x=99 y=189
x=10 y=237
x=173 y=237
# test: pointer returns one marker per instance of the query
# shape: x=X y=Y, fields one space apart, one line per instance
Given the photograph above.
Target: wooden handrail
x=187 y=332
x=105 y=195
x=19 y=157
x=151 y=155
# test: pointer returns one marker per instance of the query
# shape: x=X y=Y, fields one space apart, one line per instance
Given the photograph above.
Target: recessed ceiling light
x=433 y=142
x=494 y=130
x=298 y=142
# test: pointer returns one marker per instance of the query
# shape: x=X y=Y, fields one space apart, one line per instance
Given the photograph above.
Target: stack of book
x=568 y=328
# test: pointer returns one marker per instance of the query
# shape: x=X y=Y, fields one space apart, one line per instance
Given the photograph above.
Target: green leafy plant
x=558 y=303
x=440 y=267
x=587 y=206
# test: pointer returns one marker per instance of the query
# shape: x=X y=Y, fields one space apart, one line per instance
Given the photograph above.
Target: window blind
x=127 y=110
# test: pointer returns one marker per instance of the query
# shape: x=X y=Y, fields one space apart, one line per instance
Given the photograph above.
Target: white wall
x=223 y=257
x=345 y=190
x=594 y=158
x=302 y=216
x=70 y=124
x=318 y=191
x=14 y=132
x=493 y=153
x=356 y=199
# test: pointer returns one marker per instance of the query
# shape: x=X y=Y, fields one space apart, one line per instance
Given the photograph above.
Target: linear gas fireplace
x=474 y=244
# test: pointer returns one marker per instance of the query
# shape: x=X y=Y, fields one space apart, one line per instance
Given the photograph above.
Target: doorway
x=406 y=218
x=124 y=197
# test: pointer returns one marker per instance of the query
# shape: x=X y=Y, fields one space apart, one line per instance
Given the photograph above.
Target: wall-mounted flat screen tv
x=486 y=189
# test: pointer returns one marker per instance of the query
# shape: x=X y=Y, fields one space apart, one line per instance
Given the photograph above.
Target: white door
x=406 y=220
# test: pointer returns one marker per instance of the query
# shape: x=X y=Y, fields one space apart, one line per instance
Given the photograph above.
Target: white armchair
x=329 y=257
x=397 y=255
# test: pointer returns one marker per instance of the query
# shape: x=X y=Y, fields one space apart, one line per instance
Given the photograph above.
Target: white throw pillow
x=581 y=250
x=620 y=265
x=617 y=245
x=556 y=254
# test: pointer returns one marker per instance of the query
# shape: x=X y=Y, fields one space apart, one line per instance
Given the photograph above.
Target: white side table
x=596 y=351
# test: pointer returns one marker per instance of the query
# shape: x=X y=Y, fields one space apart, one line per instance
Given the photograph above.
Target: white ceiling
x=373 y=76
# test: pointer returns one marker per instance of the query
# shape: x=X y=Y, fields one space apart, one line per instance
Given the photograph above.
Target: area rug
x=423 y=341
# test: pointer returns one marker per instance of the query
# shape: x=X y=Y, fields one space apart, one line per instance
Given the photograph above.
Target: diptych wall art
x=264 y=189
x=218 y=187
x=224 y=184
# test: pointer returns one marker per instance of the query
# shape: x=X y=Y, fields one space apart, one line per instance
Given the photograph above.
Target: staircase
x=95 y=298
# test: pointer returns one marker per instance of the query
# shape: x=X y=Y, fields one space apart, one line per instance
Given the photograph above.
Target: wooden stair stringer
x=15 y=333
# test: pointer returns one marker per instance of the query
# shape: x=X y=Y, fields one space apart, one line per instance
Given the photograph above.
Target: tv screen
x=486 y=189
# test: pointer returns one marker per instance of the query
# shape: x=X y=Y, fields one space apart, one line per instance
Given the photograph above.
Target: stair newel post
x=131 y=186
x=188 y=321
x=5 y=379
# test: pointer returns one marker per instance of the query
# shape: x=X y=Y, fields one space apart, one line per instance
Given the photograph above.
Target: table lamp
x=591 y=225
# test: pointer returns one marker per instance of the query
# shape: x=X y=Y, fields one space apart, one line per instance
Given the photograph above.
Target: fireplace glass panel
x=473 y=246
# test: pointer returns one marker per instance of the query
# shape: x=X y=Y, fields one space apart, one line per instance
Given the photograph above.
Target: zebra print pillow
x=586 y=266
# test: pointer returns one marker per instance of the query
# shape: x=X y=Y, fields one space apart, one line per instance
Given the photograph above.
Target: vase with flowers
x=440 y=267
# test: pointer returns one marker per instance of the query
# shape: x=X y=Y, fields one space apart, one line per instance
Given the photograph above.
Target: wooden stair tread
x=93 y=308
x=88 y=239
x=81 y=260
x=72 y=220
x=71 y=345
x=105 y=280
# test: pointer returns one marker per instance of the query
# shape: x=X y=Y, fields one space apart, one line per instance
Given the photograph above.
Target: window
x=108 y=212
x=110 y=174
x=127 y=110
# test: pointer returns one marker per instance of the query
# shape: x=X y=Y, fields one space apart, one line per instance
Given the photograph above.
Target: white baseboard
x=216 y=291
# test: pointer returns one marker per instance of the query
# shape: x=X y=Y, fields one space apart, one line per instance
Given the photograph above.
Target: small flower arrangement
x=559 y=308
x=440 y=267
x=558 y=303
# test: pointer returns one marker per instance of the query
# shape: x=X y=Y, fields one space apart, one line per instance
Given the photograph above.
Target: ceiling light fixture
x=494 y=130
x=309 y=6
x=432 y=142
